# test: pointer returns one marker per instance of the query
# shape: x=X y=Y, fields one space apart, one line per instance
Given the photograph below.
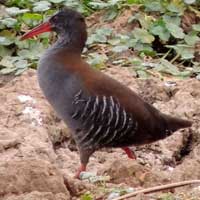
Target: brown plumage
x=100 y=111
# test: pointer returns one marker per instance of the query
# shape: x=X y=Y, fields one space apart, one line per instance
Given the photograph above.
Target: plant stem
x=175 y=58
x=159 y=188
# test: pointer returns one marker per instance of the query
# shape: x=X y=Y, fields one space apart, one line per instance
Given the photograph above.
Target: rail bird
x=100 y=111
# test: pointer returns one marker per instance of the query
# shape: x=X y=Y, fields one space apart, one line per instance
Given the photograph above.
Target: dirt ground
x=39 y=159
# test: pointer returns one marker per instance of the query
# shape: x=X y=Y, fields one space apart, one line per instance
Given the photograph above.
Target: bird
x=100 y=111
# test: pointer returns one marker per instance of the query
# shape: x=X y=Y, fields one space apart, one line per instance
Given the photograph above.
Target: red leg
x=84 y=158
x=129 y=153
x=82 y=168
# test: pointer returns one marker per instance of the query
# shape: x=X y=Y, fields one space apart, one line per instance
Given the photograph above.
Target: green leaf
x=120 y=40
x=185 y=74
x=119 y=49
x=198 y=77
x=104 y=31
x=6 y=37
x=176 y=7
x=143 y=35
x=154 y=6
x=167 y=196
x=135 y=61
x=36 y=50
x=119 y=62
x=20 y=71
x=32 y=16
x=21 y=64
x=114 y=41
x=175 y=30
x=25 y=53
x=24 y=44
x=9 y=22
x=191 y=38
x=77 y=5
x=134 y=1
x=56 y=1
x=159 y=28
x=8 y=61
x=196 y=68
x=4 y=51
x=144 y=20
x=171 y=19
x=5 y=41
x=173 y=26
x=196 y=27
x=41 y=6
x=31 y=19
x=87 y=196
x=98 y=5
x=96 y=38
x=110 y=14
x=167 y=67
x=13 y=63
x=142 y=74
x=185 y=51
x=13 y=11
x=97 y=60
x=100 y=36
x=7 y=70
x=143 y=47
x=189 y=1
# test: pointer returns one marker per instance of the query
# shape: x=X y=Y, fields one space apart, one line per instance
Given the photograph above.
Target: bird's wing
x=104 y=121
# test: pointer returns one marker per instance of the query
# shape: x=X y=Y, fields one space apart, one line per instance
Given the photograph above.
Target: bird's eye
x=81 y=19
x=55 y=18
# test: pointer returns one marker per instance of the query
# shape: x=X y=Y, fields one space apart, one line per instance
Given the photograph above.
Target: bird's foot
x=129 y=153
x=82 y=168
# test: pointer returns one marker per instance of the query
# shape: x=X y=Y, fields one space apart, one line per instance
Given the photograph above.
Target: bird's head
x=67 y=23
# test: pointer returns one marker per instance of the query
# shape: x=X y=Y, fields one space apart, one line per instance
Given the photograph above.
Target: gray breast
x=59 y=87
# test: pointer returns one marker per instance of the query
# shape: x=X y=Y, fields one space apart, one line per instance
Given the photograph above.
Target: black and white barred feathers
x=105 y=123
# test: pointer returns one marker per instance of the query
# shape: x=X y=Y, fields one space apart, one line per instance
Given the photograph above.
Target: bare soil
x=39 y=158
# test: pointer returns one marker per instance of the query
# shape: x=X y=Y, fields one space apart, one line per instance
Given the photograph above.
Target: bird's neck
x=73 y=42
x=67 y=51
x=64 y=55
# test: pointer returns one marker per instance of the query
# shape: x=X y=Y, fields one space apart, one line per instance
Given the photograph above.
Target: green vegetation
x=158 y=34
x=87 y=196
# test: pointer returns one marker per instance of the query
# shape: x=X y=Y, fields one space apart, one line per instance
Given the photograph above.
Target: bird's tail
x=174 y=123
